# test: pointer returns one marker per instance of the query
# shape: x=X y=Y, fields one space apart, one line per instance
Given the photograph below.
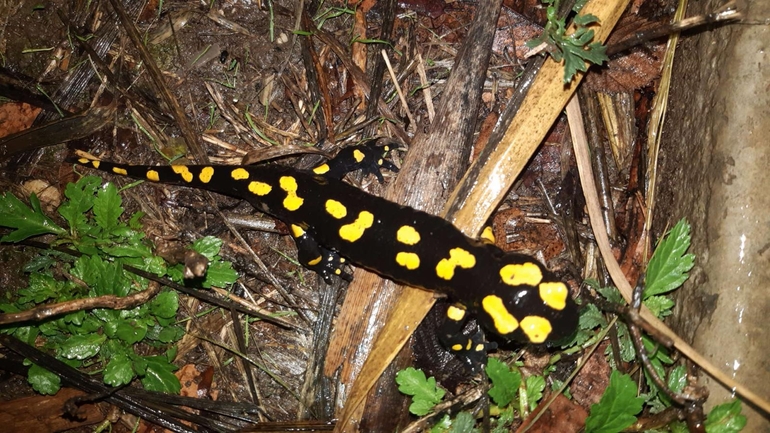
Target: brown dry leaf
x=15 y=117
x=561 y=416
x=513 y=32
x=632 y=69
x=592 y=380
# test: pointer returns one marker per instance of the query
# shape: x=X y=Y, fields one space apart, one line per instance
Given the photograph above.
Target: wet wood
x=436 y=160
x=45 y=413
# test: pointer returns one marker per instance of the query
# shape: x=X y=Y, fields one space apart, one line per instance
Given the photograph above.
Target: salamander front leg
x=470 y=348
x=368 y=157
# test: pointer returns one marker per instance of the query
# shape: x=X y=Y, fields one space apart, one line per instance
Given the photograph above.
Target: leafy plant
x=101 y=340
x=618 y=407
x=424 y=391
x=574 y=49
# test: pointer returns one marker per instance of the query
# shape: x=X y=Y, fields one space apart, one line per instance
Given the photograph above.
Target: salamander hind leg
x=323 y=261
x=368 y=157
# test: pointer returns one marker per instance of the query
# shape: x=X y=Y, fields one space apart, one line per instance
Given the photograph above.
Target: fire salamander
x=512 y=295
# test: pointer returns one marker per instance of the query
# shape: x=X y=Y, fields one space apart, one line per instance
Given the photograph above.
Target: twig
x=398 y=90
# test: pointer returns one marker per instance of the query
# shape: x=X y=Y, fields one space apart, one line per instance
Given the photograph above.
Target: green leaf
x=535 y=386
x=660 y=306
x=118 y=371
x=107 y=207
x=209 y=246
x=611 y=294
x=43 y=381
x=505 y=382
x=159 y=376
x=26 y=222
x=81 y=200
x=617 y=408
x=131 y=331
x=41 y=288
x=128 y=250
x=103 y=277
x=669 y=265
x=425 y=394
x=677 y=379
x=169 y=334
x=81 y=346
x=463 y=423
x=165 y=305
x=444 y=424
x=219 y=274
x=725 y=418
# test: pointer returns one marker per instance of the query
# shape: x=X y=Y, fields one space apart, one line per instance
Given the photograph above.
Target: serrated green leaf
x=669 y=266
x=725 y=418
x=463 y=423
x=159 y=375
x=118 y=371
x=41 y=288
x=219 y=274
x=25 y=221
x=39 y=263
x=505 y=382
x=611 y=294
x=660 y=306
x=535 y=386
x=209 y=246
x=43 y=381
x=128 y=250
x=107 y=207
x=81 y=347
x=617 y=408
x=165 y=305
x=677 y=379
x=591 y=317
x=444 y=424
x=425 y=394
x=81 y=200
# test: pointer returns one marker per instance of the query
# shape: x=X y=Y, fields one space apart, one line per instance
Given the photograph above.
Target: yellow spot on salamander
x=517 y=275
x=469 y=344
x=322 y=169
x=353 y=231
x=488 y=235
x=336 y=209
x=297 y=231
x=292 y=201
x=455 y=313
x=407 y=235
x=457 y=257
x=536 y=328
x=260 y=188
x=120 y=171
x=457 y=347
x=504 y=321
x=96 y=164
x=206 y=174
x=239 y=174
x=410 y=261
x=554 y=294
x=183 y=171
x=315 y=261
x=84 y=160
x=358 y=155
x=153 y=176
